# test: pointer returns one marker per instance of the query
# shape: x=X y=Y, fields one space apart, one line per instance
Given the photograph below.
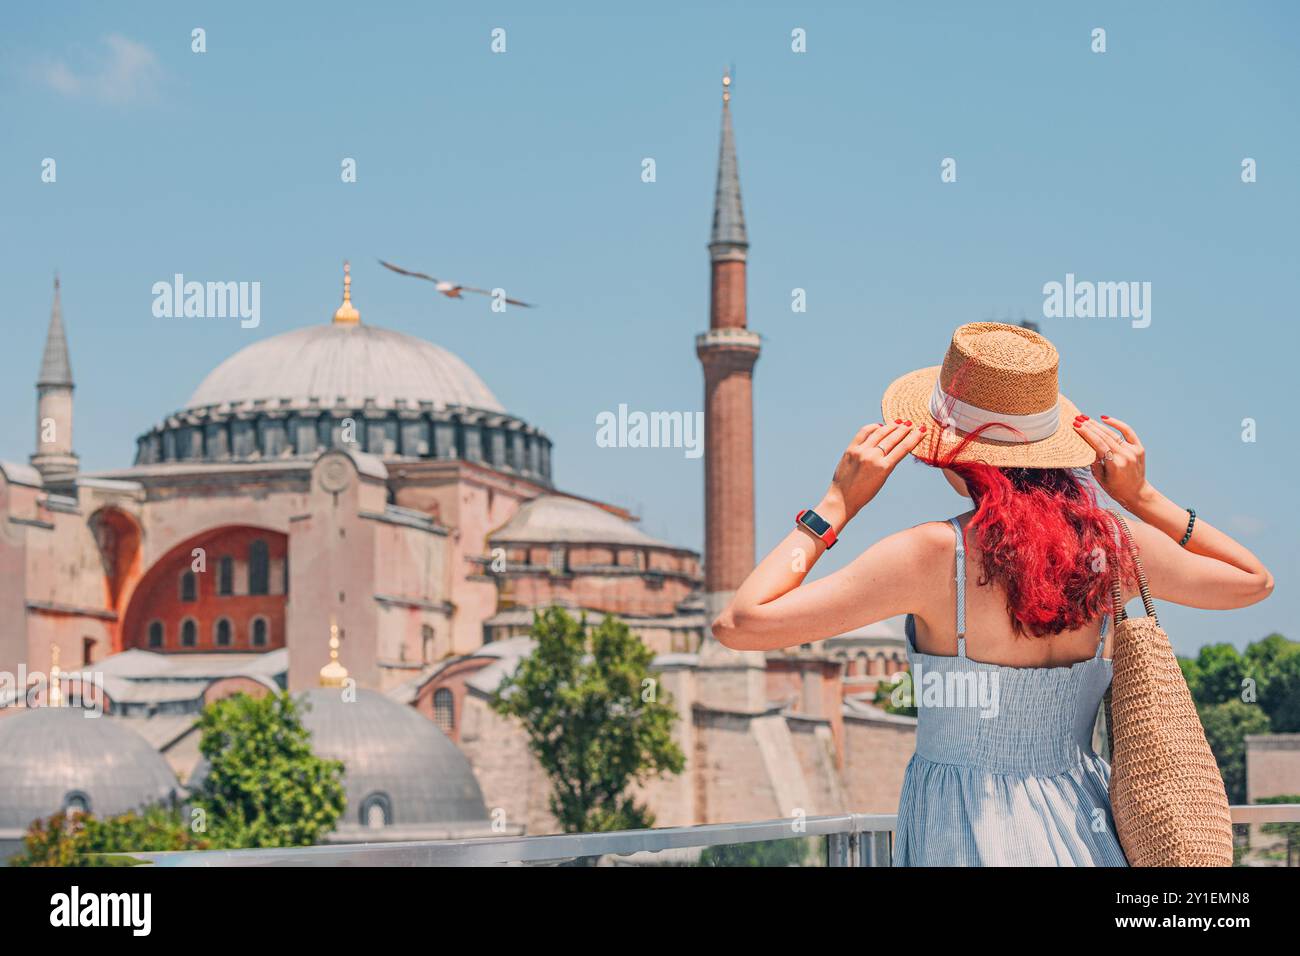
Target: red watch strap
x=829 y=537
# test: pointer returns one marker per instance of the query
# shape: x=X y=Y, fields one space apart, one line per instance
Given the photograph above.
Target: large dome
x=55 y=757
x=393 y=758
x=348 y=363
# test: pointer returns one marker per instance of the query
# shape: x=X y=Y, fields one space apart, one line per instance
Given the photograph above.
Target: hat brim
x=908 y=398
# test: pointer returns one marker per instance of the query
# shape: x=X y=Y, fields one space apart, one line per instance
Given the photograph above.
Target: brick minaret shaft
x=728 y=352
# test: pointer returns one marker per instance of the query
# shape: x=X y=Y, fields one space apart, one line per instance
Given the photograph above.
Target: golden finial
x=726 y=85
x=333 y=674
x=55 y=698
x=347 y=313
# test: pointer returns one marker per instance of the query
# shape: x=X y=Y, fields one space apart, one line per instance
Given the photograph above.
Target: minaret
x=54 y=455
x=728 y=352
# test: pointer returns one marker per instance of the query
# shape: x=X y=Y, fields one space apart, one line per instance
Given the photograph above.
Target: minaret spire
x=54 y=455
x=56 y=365
x=729 y=237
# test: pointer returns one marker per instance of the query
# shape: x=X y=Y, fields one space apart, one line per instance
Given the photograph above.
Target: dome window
x=155 y=635
x=189 y=587
x=259 y=632
x=189 y=633
x=376 y=811
x=222 y=632
x=76 y=801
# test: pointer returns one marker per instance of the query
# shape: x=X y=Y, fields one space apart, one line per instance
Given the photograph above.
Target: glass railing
x=849 y=839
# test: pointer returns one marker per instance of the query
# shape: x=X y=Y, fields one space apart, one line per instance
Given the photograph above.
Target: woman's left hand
x=864 y=467
x=1121 y=465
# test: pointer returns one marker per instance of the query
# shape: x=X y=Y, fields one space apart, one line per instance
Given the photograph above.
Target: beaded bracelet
x=1191 y=523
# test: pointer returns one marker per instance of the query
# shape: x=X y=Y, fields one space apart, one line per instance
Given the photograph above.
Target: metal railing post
x=838 y=849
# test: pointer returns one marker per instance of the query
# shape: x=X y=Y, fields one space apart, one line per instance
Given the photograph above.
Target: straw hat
x=1003 y=376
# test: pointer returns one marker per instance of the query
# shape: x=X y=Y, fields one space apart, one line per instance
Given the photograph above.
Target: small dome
x=561 y=519
x=351 y=361
x=53 y=756
x=394 y=759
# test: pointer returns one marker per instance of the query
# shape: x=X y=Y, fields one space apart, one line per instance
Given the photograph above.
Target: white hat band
x=965 y=417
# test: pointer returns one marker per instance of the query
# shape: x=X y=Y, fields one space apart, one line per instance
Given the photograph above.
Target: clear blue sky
x=523 y=170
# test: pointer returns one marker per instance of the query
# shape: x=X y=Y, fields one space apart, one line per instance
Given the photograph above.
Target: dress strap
x=1101 y=641
x=961 y=586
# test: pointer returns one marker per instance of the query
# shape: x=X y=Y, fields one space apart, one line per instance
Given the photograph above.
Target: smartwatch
x=817 y=525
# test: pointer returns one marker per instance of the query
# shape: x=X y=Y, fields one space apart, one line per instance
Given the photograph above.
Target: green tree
x=792 y=852
x=264 y=787
x=1215 y=674
x=1275 y=663
x=79 y=839
x=593 y=718
x=1226 y=726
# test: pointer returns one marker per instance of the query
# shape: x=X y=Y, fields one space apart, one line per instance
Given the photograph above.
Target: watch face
x=816 y=523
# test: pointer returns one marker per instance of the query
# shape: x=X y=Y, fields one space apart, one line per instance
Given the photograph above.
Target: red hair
x=1042 y=538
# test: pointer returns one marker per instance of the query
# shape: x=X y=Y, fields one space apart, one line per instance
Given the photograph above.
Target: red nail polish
x=1085 y=418
x=907 y=423
x=898 y=421
x=1105 y=416
x=1078 y=424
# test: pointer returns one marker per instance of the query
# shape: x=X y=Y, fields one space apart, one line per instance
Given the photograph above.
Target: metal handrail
x=853 y=839
x=844 y=830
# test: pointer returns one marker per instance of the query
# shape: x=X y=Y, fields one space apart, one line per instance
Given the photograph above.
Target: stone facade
x=1272 y=765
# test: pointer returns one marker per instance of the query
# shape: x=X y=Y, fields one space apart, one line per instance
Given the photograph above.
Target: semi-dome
x=344 y=363
x=561 y=519
x=54 y=758
x=400 y=769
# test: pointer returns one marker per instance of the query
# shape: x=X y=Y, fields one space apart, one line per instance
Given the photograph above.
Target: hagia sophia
x=343 y=500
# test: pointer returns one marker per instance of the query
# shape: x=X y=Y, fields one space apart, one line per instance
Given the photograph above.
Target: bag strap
x=1116 y=587
x=1117 y=596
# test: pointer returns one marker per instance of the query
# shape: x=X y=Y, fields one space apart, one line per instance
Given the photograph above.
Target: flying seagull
x=451 y=290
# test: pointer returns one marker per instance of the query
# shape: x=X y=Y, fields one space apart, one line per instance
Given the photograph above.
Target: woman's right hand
x=1124 y=475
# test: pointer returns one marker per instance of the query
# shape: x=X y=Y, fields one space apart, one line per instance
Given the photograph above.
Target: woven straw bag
x=1166 y=793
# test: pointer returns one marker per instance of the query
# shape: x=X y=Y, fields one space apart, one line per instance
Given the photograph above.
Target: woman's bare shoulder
x=930 y=540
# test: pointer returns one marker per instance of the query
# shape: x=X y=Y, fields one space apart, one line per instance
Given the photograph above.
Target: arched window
x=155 y=634
x=189 y=632
x=189 y=587
x=376 y=811
x=226 y=576
x=426 y=643
x=222 y=633
x=259 y=632
x=444 y=710
x=76 y=801
x=259 y=568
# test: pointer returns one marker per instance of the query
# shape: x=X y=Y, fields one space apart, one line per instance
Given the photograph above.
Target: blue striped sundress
x=1004 y=772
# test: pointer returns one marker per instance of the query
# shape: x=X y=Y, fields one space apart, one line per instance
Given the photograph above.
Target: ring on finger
x=1109 y=456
